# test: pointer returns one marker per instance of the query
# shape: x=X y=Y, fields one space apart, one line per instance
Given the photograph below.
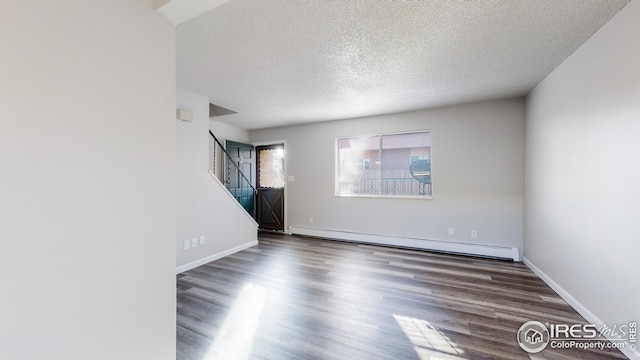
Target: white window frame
x=380 y=136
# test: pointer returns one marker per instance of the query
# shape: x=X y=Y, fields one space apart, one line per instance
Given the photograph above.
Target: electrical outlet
x=474 y=234
x=187 y=245
x=194 y=242
x=202 y=240
x=450 y=231
x=310 y=220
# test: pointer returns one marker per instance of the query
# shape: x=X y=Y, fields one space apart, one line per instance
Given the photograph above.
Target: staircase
x=227 y=169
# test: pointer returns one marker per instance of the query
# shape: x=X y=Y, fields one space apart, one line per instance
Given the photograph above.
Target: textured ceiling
x=279 y=62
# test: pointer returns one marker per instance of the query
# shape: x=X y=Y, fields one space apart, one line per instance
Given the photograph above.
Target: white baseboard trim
x=416 y=243
x=575 y=304
x=210 y=258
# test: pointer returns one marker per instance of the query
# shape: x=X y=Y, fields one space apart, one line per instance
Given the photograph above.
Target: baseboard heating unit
x=480 y=250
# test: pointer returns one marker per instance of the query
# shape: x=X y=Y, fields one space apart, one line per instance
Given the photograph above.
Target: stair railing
x=214 y=163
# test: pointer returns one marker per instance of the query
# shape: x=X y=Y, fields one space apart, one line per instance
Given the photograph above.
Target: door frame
x=286 y=176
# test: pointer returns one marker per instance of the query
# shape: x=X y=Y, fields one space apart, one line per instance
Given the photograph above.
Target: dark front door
x=240 y=173
x=270 y=171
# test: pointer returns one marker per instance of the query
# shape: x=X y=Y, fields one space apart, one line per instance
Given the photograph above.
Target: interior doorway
x=270 y=185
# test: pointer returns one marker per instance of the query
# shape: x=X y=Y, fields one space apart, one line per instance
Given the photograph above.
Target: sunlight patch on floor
x=429 y=343
x=235 y=338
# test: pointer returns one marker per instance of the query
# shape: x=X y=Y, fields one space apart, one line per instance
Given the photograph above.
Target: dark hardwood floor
x=303 y=298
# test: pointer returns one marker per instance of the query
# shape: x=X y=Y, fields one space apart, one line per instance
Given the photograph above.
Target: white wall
x=477 y=175
x=227 y=132
x=87 y=180
x=205 y=208
x=582 y=193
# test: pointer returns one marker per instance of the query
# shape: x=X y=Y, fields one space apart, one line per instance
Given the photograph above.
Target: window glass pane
x=385 y=165
x=399 y=152
x=358 y=165
x=271 y=168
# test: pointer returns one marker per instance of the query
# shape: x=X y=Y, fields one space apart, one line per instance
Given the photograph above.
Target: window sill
x=412 y=197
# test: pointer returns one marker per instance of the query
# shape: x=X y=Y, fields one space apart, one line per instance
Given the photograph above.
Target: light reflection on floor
x=235 y=338
x=428 y=341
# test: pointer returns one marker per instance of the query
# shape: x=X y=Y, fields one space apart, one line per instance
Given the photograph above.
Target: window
x=270 y=166
x=394 y=165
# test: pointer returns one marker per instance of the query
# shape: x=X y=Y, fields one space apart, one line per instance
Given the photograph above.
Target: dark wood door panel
x=271 y=209
x=270 y=180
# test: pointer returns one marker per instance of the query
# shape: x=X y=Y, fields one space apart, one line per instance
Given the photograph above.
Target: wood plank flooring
x=304 y=298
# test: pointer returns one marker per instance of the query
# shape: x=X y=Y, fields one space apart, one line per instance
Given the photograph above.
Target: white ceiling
x=280 y=62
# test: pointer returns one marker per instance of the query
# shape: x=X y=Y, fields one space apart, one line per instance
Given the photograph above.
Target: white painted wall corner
x=576 y=305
